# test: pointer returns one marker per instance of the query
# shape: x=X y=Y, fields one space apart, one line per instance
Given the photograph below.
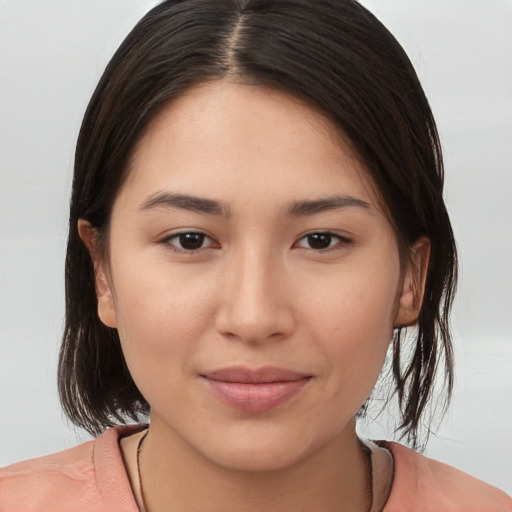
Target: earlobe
x=413 y=286
x=106 y=306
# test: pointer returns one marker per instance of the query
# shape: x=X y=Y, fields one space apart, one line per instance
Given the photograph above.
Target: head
x=335 y=68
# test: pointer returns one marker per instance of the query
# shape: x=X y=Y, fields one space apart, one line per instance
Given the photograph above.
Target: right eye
x=189 y=241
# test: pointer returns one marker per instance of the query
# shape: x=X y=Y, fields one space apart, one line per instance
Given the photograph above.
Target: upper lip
x=261 y=375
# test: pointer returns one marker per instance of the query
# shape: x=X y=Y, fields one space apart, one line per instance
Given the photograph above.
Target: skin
x=256 y=293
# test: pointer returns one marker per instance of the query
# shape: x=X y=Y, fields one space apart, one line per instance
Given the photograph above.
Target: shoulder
x=89 y=477
x=422 y=484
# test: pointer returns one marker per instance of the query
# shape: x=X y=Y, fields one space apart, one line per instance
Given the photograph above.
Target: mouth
x=255 y=390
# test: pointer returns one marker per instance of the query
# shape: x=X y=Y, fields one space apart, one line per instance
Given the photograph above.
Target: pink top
x=92 y=478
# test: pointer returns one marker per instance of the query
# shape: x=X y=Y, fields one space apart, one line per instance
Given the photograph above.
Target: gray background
x=52 y=53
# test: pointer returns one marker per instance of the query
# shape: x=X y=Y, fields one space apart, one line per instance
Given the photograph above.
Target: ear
x=106 y=306
x=413 y=286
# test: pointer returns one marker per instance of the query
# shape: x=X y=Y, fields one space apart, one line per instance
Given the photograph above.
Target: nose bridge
x=255 y=304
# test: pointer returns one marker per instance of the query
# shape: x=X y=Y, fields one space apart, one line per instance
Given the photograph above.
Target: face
x=252 y=277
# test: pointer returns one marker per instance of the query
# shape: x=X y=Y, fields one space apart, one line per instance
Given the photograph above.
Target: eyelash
x=168 y=240
x=342 y=241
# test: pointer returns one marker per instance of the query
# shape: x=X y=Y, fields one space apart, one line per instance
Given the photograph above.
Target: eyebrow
x=186 y=202
x=212 y=207
x=301 y=208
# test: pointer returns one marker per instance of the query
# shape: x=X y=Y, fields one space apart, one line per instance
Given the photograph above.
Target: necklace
x=139 y=476
x=369 y=475
x=366 y=450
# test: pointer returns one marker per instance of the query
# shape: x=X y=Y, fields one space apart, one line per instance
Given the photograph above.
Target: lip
x=255 y=390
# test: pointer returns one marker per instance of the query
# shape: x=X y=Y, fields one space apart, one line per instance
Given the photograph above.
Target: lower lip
x=255 y=397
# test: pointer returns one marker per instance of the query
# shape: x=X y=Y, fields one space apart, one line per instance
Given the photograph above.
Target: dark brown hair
x=333 y=54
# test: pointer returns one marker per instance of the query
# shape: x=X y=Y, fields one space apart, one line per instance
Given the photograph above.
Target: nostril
x=272 y=325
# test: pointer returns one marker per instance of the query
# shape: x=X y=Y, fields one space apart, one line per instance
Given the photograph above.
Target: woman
x=256 y=212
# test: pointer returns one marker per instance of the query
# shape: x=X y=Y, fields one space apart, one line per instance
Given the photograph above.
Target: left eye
x=190 y=241
x=320 y=241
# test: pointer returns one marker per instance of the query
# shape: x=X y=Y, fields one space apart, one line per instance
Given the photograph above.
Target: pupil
x=319 y=241
x=191 y=241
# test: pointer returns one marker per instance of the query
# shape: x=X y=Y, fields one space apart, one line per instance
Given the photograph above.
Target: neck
x=175 y=476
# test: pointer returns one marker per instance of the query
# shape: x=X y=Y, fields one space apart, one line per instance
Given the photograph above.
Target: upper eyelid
x=184 y=231
x=342 y=236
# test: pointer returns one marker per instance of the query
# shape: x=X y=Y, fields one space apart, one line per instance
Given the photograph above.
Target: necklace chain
x=139 y=474
x=366 y=451
x=369 y=476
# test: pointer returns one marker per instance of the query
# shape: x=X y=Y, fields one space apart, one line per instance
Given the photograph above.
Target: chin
x=262 y=451
x=255 y=459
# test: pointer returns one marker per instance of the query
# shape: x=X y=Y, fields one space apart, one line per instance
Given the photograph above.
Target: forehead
x=232 y=140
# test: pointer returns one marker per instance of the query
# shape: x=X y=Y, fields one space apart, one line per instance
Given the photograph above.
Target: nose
x=256 y=303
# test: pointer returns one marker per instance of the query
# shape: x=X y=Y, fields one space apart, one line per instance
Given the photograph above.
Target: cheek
x=162 y=317
x=352 y=321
